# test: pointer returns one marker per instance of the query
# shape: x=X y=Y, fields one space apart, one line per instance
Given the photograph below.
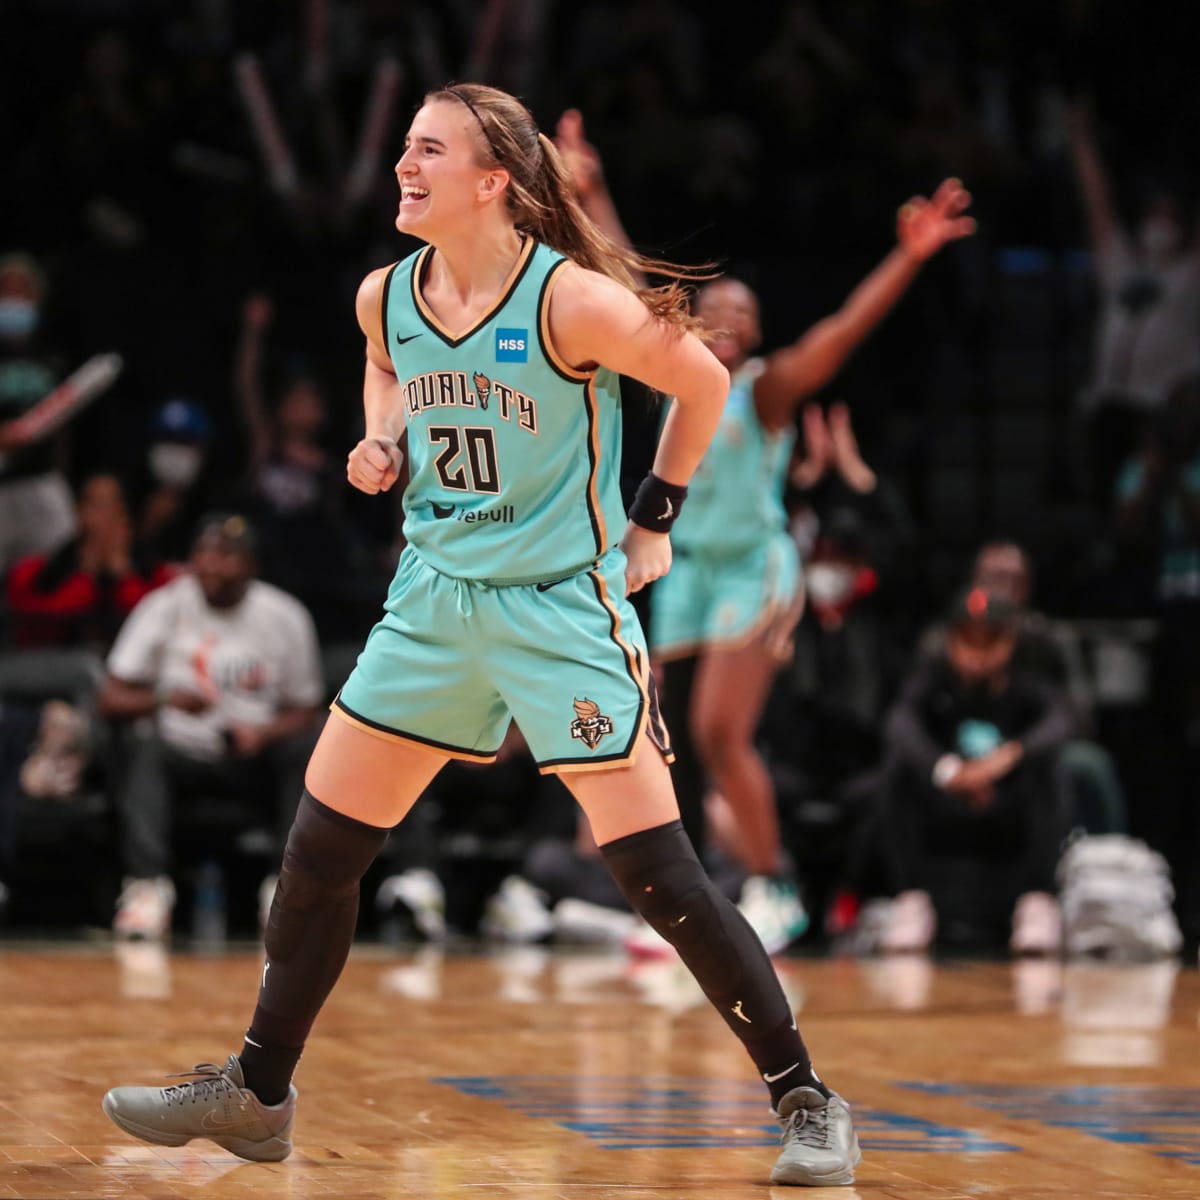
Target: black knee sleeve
x=326 y=856
x=659 y=874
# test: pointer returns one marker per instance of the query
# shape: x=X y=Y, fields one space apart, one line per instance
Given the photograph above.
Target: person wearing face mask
x=1148 y=278
x=37 y=510
x=175 y=494
x=973 y=819
x=721 y=621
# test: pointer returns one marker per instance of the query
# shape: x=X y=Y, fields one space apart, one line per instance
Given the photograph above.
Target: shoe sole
x=798 y=1177
x=274 y=1149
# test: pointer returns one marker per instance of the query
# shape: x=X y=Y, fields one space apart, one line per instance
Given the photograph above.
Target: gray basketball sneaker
x=216 y=1105
x=820 y=1147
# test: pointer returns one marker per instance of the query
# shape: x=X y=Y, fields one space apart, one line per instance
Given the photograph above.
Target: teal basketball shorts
x=727 y=600
x=453 y=661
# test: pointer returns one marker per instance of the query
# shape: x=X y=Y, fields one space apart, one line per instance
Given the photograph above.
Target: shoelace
x=213 y=1082
x=808 y=1127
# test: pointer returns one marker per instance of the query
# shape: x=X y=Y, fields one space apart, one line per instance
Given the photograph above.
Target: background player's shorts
x=453 y=661
x=727 y=600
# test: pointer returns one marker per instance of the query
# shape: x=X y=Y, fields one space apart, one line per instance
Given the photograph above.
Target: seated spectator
x=218 y=677
x=1158 y=515
x=79 y=594
x=972 y=820
x=1049 y=650
x=1158 y=494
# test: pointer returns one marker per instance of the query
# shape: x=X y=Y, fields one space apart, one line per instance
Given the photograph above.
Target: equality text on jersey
x=455 y=389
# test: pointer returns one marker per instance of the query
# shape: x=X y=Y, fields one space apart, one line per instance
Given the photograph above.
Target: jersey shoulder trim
x=550 y=354
x=384 y=292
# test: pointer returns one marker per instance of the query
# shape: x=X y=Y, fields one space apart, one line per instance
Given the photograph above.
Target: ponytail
x=543 y=202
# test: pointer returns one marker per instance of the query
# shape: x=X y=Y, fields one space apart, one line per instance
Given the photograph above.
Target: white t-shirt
x=251 y=661
x=1142 y=352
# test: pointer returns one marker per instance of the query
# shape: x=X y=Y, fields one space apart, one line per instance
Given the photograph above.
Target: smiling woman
x=496 y=349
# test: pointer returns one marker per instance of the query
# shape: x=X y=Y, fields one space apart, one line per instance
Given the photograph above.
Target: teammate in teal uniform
x=496 y=349
x=721 y=621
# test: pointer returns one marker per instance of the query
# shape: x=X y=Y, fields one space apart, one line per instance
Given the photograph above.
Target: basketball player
x=497 y=347
x=721 y=621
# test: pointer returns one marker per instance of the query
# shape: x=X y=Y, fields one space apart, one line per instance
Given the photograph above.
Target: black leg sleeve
x=312 y=922
x=662 y=879
x=687 y=773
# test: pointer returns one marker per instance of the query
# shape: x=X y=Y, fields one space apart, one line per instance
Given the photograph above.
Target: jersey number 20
x=467 y=460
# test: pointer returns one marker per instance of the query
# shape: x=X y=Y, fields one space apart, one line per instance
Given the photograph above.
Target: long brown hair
x=542 y=200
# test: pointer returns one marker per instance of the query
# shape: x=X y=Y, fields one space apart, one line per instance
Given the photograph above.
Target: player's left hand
x=648 y=555
x=924 y=226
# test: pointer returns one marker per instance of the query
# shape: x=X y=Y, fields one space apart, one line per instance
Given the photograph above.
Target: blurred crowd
x=1001 y=642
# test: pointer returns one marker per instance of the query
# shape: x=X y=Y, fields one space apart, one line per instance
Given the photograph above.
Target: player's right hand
x=374 y=465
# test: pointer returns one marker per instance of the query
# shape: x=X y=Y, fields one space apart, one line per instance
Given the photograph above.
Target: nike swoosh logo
x=441 y=511
x=773 y=1078
x=400 y=341
x=545 y=587
x=211 y=1120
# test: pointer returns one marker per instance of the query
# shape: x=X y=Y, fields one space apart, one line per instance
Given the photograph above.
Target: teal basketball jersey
x=514 y=455
x=735 y=498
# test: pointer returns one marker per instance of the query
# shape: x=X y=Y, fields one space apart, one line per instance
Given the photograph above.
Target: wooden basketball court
x=540 y=1075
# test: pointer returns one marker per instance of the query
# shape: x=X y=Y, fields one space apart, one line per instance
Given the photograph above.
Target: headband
x=453 y=91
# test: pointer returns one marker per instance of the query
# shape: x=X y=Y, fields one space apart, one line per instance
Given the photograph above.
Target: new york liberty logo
x=590 y=724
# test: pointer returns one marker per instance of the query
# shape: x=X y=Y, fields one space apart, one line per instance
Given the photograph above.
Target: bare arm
x=249 y=740
x=806 y=366
x=1103 y=227
x=247 y=377
x=374 y=464
x=595 y=320
x=122 y=700
x=799 y=370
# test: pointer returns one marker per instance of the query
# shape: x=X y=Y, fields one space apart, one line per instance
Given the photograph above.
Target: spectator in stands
x=218 y=677
x=295 y=492
x=177 y=491
x=1049 y=650
x=1149 y=283
x=1158 y=507
x=80 y=594
x=855 y=538
x=36 y=509
x=973 y=820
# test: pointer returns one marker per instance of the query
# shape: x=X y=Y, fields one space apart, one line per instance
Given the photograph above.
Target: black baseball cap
x=232 y=529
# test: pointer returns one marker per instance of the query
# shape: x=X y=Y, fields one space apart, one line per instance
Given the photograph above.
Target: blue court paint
x=657 y=1113
x=1166 y=1119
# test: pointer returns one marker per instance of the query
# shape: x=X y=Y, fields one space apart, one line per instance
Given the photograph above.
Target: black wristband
x=657 y=504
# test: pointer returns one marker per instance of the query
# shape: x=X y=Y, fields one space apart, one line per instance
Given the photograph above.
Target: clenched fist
x=648 y=555
x=374 y=464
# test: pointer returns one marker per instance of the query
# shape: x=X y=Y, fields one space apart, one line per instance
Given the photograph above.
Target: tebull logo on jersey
x=512 y=345
x=504 y=515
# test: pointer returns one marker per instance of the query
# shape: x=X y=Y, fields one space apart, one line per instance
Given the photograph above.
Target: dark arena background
x=192 y=192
